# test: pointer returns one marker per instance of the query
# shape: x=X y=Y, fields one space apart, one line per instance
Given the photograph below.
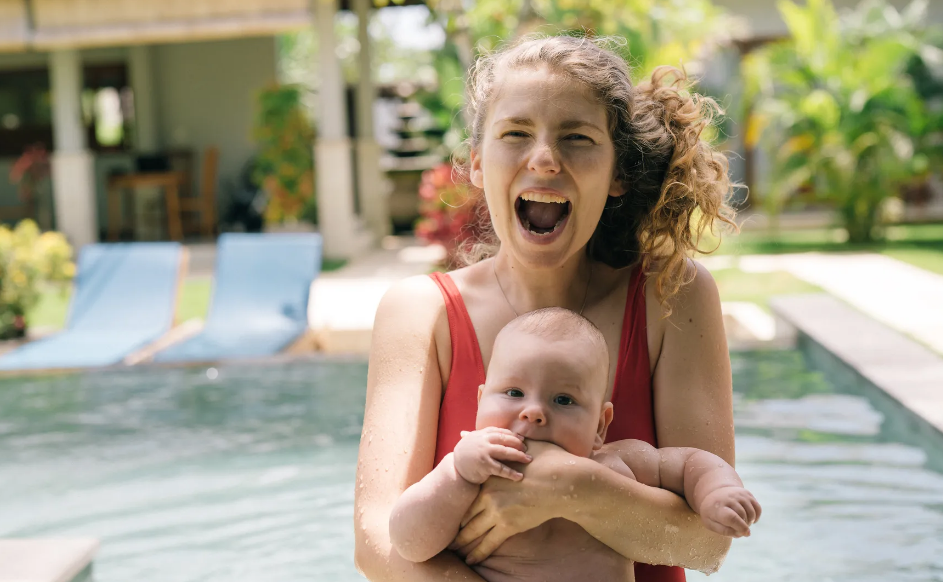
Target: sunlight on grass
x=737 y=285
x=918 y=244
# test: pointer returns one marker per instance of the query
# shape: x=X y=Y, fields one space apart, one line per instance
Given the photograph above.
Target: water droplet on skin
x=554 y=477
x=571 y=462
x=571 y=487
x=592 y=477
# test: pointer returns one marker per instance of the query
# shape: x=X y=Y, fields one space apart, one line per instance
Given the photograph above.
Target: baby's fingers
x=734 y=520
x=507 y=440
x=501 y=470
x=509 y=454
x=720 y=528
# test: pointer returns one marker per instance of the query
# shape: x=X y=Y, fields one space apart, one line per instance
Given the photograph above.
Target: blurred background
x=193 y=124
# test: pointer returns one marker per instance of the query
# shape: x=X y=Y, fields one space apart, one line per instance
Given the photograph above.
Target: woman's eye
x=514 y=134
x=514 y=393
x=577 y=137
x=563 y=400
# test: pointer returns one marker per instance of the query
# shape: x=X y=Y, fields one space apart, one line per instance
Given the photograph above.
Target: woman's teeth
x=543 y=197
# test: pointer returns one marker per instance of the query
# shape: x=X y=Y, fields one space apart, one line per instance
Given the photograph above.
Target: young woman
x=591 y=185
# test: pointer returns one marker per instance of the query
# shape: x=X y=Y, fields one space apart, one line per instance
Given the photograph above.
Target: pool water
x=246 y=473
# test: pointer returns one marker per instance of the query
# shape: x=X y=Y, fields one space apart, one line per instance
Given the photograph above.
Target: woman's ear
x=616 y=188
x=605 y=419
x=476 y=175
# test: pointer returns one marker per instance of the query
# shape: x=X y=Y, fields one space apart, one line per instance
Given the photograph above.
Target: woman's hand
x=505 y=508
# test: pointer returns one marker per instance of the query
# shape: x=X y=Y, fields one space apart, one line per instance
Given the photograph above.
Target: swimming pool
x=246 y=473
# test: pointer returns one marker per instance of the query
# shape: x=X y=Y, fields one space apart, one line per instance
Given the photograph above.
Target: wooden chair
x=204 y=202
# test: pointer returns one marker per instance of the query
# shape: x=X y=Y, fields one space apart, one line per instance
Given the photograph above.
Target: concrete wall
x=764 y=19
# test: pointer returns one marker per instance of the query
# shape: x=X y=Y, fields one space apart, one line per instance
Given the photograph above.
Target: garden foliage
x=29 y=261
x=451 y=213
x=285 y=165
x=836 y=108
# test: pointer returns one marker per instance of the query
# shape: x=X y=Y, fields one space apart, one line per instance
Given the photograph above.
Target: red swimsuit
x=631 y=396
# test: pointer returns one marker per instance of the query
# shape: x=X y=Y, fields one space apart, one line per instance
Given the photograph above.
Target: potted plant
x=29 y=261
x=285 y=163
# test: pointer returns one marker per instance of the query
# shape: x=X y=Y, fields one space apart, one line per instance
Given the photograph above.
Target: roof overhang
x=58 y=24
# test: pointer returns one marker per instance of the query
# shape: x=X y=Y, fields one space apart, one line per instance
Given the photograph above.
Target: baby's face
x=548 y=390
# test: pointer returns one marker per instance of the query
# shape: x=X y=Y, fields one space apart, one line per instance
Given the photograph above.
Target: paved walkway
x=899 y=295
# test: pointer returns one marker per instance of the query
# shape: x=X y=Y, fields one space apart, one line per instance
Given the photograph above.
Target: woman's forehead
x=541 y=95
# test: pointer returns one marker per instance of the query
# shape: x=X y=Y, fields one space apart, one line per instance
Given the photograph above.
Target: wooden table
x=171 y=182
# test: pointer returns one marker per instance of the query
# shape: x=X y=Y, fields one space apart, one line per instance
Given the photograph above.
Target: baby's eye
x=514 y=393
x=563 y=400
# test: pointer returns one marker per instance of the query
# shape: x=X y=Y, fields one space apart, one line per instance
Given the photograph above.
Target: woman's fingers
x=491 y=542
x=471 y=531
x=477 y=507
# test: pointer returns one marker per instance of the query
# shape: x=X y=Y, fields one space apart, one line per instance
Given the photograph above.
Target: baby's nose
x=534 y=414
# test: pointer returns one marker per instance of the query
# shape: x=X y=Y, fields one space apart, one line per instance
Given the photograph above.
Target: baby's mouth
x=541 y=213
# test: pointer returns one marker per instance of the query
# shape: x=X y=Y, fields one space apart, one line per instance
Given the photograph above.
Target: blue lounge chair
x=124 y=299
x=260 y=298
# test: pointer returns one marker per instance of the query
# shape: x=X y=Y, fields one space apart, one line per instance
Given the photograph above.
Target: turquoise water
x=248 y=476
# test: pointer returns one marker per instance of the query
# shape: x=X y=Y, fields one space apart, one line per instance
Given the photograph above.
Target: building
x=187 y=71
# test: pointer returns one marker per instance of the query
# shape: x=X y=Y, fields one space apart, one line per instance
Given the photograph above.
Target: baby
x=547 y=381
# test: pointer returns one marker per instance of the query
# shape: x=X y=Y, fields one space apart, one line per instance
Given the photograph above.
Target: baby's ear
x=480 y=388
x=605 y=419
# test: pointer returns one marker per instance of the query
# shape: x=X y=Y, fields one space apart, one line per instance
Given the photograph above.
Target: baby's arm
x=710 y=486
x=427 y=516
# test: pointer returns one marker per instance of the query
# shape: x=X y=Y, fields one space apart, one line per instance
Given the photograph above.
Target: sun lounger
x=125 y=298
x=260 y=298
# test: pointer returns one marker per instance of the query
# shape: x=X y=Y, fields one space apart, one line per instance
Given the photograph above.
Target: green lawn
x=194 y=301
x=917 y=244
x=737 y=285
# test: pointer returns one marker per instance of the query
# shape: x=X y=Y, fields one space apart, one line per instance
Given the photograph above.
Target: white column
x=332 y=151
x=140 y=60
x=73 y=167
x=373 y=188
x=147 y=201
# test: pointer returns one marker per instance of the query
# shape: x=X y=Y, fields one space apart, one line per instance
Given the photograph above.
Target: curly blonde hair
x=669 y=170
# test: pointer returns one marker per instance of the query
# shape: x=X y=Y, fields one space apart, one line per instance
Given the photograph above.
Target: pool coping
x=47 y=560
x=908 y=374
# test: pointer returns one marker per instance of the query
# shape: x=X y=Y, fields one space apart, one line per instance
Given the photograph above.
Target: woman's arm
x=692 y=392
x=397 y=446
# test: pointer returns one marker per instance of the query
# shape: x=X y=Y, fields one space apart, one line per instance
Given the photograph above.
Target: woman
x=591 y=185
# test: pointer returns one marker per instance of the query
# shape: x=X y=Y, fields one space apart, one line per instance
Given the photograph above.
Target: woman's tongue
x=541 y=217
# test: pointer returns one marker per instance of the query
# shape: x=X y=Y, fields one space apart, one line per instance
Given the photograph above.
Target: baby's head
x=547 y=381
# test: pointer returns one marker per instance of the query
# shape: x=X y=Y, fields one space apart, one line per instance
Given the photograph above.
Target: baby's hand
x=479 y=454
x=730 y=511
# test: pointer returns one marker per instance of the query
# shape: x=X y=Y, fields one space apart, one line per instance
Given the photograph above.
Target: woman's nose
x=544 y=159
x=534 y=414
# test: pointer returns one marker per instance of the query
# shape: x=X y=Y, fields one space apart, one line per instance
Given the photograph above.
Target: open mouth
x=541 y=213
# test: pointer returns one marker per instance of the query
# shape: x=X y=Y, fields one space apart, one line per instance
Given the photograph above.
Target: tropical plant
x=837 y=111
x=285 y=162
x=451 y=215
x=29 y=260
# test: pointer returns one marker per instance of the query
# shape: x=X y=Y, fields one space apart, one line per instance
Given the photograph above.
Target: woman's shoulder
x=698 y=291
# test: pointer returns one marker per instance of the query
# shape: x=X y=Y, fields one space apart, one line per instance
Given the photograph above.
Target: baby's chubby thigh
x=558 y=550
